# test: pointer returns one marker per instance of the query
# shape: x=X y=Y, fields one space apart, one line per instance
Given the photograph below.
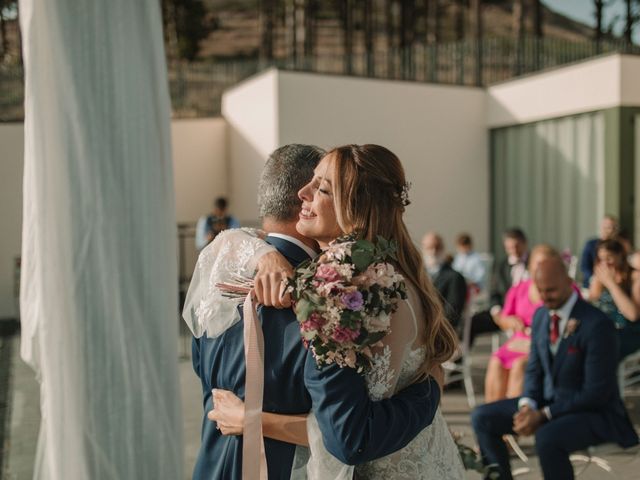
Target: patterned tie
x=555 y=328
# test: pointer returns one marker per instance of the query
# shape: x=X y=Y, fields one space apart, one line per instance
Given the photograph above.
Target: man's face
x=463 y=248
x=432 y=251
x=608 y=228
x=555 y=289
x=430 y=245
x=514 y=247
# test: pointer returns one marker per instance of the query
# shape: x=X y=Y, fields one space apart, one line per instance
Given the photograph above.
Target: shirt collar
x=310 y=251
x=565 y=310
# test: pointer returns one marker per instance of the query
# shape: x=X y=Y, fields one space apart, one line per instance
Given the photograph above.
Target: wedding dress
x=430 y=455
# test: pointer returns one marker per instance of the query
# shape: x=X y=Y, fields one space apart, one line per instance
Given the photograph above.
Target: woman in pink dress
x=505 y=372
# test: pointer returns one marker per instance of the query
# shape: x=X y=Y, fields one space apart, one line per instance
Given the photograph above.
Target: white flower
x=378 y=323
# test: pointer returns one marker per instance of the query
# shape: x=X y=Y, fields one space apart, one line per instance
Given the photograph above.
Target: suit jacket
x=355 y=429
x=588 y=260
x=582 y=376
x=453 y=291
x=500 y=281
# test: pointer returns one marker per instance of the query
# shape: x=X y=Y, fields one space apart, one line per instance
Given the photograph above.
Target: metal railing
x=196 y=88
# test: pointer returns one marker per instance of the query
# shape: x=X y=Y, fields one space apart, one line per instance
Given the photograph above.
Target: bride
x=362 y=189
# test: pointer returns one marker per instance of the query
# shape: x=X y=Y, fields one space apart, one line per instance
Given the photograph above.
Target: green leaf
x=304 y=308
x=361 y=259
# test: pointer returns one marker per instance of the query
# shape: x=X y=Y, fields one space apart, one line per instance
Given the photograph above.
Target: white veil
x=99 y=277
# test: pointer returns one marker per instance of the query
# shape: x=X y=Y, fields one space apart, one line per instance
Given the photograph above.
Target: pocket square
x=573 y=349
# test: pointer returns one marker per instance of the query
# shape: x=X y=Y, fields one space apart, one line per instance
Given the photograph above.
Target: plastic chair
x=593 y=456
x=629 y=372
x=462 y=370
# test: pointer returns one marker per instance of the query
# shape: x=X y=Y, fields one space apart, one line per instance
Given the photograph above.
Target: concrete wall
x=438 y=132
x=598 y=84
x=251 y=111
x=579 y=88
x=11 y=165
x=201 y=174
x=200 y=165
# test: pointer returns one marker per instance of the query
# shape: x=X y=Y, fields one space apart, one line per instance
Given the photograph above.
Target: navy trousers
x=555 y=440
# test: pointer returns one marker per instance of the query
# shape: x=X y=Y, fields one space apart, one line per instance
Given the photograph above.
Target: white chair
x=629 y=372
x=455 y=372
x=594 y=456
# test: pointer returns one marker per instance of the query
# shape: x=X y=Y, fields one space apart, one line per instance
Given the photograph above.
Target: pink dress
x=517 y=303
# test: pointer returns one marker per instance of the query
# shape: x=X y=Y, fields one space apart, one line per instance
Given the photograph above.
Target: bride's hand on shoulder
x=271 y=280
x=228 y=412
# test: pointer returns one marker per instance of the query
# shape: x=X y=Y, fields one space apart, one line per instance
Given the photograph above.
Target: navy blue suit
x=580 y=388
x=355 y=429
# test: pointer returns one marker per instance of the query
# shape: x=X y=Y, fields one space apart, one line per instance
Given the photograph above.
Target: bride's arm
x=228 y=413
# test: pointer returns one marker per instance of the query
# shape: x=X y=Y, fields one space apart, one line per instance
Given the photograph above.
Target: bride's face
x=318 y=216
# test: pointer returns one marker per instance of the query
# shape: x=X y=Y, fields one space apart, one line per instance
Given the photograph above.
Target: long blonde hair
x=369 y=198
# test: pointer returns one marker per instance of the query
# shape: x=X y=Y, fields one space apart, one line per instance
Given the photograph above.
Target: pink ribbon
x=253 y=441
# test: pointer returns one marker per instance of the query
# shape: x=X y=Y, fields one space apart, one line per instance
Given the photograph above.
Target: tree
x=407 y=36
x=185 y=26
x=632 y=15
x=310 y=12
x=598 y=13
x=476 y=13
x=8 y=10
x=538 y=32
x=346 y=14
x=369 y=32
x=267 y=26
x=518 y=34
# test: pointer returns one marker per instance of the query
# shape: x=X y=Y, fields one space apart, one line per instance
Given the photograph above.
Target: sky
x=583 y=11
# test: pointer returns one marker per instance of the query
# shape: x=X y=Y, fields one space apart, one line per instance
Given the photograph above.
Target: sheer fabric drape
x=98 y=287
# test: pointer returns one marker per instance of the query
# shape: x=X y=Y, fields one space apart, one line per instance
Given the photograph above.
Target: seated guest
x=571 y=399
x=616 y=292
x=608 y=229
x=468 y=263
x=505 y=372
x=511 y=270
x=209 y=226
x=449 y=283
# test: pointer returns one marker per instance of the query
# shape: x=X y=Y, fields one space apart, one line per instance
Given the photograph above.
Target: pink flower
x=327 y=273
x=314 y=322
x=344 y=335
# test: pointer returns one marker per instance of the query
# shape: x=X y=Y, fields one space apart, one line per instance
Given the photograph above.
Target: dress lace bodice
x=433 y=453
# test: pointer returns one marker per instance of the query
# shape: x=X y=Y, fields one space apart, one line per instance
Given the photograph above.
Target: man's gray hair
x=285 y=172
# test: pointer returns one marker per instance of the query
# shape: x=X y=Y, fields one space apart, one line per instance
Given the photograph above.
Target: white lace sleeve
x=386 y=374
x=233 y=253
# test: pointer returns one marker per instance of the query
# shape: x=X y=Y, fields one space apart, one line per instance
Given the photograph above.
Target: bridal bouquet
x=344 y=300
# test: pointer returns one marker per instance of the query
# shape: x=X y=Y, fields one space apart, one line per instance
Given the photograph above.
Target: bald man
x=571 y=399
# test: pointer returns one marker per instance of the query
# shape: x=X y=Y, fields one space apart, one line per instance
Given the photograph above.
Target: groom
x=355 y=429
x=571 y=398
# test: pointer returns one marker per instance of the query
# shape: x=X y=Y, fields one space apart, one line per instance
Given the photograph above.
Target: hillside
x=236 y=32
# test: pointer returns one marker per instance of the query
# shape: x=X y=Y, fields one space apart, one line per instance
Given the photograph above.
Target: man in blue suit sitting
x=355 y=429
x=571 y=399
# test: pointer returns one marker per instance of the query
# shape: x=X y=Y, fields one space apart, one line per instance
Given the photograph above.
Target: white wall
x=582 y=87
x=630 y=78
x=11 y=165
x=438 y=132
x=200 y=165
x=250 y=110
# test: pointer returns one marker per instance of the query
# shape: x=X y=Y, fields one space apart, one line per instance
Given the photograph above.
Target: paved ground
x=23 y=421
